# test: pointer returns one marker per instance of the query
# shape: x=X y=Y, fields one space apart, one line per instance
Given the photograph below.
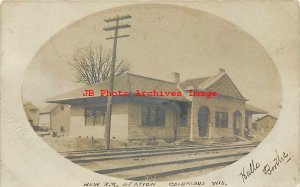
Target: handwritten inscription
x=196 y=183
x=90 y=184
x=276 y=163
x=219 y=183
x=139 y=184
x=267 y=169
x=253 y=167
x=114 y=184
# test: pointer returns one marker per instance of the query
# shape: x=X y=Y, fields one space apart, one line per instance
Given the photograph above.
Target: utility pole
x=115 y=28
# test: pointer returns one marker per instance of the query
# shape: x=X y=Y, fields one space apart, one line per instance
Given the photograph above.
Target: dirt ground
x=64 y=143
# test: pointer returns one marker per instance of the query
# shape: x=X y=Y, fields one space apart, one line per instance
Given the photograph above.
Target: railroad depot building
x=161 y=117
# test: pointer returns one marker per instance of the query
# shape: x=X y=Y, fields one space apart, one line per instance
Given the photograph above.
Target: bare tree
x=92 y=65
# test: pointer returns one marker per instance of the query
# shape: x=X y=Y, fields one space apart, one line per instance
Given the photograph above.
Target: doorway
x=237 y=122
x=203 y=121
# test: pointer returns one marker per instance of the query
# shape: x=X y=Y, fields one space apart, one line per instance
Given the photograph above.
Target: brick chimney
x=221 y=70
x=176 y=77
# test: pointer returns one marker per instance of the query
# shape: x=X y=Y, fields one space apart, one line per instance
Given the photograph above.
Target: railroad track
x=124 y=151
x=159 y=163
x=106 y=171
x=184 y=170
x=151 y=153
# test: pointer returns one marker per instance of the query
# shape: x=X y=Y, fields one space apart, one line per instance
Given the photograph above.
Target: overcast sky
x=163 y=39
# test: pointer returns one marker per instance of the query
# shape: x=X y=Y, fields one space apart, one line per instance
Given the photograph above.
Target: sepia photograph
x=152 y=93
x=149 y=93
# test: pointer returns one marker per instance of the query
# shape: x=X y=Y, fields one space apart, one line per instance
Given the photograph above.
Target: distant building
x=250 y=111
x=56 y=117
x=31 y=113
x=264 y=124
x=166 y=116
